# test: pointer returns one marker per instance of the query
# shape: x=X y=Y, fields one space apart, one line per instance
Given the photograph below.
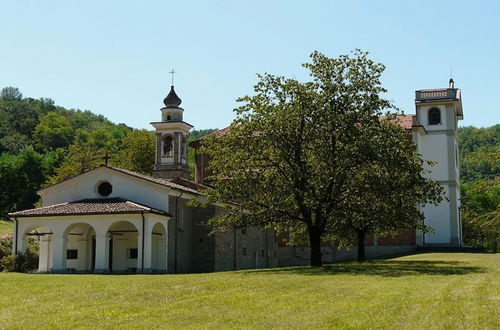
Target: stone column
x=101 y=254
x=58 y=254
x=148 y=244
x=44 y=254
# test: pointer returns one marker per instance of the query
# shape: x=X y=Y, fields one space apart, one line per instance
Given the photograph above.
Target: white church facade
x=111 y=220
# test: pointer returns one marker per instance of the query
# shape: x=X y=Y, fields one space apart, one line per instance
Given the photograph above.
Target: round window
x=105 y=188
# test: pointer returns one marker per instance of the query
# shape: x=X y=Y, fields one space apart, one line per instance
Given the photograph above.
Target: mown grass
x=422 y=291
x=6 y=227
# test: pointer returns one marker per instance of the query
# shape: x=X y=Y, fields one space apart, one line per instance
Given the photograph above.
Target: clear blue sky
x=113 y=57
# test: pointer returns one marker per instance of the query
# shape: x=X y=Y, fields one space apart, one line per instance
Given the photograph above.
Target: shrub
x=23 y=262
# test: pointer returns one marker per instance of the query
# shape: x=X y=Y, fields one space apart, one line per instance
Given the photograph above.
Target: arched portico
x=124 y=253
x=80 y=248
x=159 y=248
x=100 y=236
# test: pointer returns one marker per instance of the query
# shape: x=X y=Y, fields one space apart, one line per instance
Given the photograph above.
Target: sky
x=114 y=57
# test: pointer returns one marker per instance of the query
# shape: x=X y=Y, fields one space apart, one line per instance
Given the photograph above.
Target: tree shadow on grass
x=388 y=268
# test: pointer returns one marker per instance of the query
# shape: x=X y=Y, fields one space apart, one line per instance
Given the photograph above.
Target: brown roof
x=163 y=182
x=405 y=121
x=89 y=207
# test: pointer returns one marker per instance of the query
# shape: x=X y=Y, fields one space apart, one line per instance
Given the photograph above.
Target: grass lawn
x=6 y=227
x=431 y=290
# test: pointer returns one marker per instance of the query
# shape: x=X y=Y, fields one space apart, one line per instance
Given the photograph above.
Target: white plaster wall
x=435 y=147
x=78 y=243
x=124 y=186
x=438 y=217
x=121 y=245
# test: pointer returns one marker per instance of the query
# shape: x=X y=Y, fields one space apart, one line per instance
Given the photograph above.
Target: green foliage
x=22 y=262
x=54 y=131
x=300 y=155
x=79 y=159
x=11 y=93
x=387 y=190
x=27 y=123
x=197 y=134
x=481 y=213
x=5 y=246
x=20 y=177
x=480 y=174
x=26 y=262
x=138 y=151
x=479 y=153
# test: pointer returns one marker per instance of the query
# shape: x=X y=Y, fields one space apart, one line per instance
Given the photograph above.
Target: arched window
x=168 y=146
x=434 y=116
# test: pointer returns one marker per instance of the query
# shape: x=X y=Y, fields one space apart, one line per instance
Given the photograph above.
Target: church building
x=112 y=220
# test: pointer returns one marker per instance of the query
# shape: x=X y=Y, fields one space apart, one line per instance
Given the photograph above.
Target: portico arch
x=159 y=248
x=80 y=248
x=124 y=256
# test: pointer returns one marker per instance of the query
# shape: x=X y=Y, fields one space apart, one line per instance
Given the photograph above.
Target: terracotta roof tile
x=405 y=121
x=89 y=207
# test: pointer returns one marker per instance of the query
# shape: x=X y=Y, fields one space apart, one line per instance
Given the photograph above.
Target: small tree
x=388 y=190
x=11 y=93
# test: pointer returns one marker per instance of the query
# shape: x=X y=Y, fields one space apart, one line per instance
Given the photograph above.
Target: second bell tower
x=171 y=140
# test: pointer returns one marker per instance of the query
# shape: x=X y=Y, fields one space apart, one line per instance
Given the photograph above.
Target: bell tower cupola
x=171 y=139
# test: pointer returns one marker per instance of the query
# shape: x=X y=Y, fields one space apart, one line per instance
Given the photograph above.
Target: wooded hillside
x=41 y=144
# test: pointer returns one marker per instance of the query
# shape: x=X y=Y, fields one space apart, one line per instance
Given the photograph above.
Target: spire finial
x=172 y=73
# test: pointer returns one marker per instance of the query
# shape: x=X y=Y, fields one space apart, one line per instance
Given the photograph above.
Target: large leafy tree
x=292 y=155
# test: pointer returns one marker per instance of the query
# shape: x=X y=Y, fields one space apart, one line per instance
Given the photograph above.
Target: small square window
x=71 y=254
x=132 y=253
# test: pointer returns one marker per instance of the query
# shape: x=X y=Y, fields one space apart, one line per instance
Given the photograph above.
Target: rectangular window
x=71 y=254
x=132 y=253
x=262 y=253
x=244 y=251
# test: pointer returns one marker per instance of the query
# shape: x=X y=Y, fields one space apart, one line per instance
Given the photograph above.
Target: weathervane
x=172 y=73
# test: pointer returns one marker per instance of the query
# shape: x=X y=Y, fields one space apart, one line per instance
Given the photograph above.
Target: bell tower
x=171 y=140
x=437 y=113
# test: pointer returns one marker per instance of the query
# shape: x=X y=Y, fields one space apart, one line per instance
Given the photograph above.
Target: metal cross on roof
x=172 y=73
x=106 y=158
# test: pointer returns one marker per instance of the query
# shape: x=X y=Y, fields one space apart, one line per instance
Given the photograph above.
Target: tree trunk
x=315 y=244
x=361 y=244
